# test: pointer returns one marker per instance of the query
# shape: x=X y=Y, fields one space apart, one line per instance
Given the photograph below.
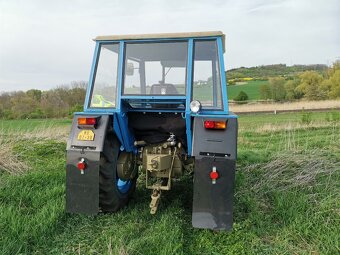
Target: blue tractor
x=156 y=106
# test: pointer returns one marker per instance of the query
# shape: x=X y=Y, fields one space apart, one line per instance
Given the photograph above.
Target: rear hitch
x=155 y=197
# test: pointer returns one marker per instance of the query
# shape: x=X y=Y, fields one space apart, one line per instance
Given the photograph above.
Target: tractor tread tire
x=110 y=198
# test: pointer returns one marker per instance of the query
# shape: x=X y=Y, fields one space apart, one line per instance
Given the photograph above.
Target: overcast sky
x=48 y=43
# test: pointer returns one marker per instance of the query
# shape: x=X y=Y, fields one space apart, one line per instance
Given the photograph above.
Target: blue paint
x=116 y=128
x=120 y=119
x=189 y=95
x=126 y=135
x=120 y=75
x=177 y=110
x=100 y=110
x=123 y=186
x=176 y=97
x=91 y=79
x=223 y=76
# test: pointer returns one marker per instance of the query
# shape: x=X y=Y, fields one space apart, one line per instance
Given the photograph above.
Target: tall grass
x=292 y=169
x=11 y=157
x=9 y=160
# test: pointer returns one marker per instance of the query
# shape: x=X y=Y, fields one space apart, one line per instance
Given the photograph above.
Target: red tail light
x=87 y=121
x=211 y=124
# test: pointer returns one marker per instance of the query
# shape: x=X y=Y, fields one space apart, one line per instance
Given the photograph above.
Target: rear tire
x=111 y=199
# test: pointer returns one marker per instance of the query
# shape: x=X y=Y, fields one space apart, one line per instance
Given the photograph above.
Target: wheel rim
x=123 y=186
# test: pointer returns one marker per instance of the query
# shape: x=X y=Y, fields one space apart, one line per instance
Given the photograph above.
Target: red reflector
x=213 y=175
x=87 y=121
x=81 y=165
x=210 y=124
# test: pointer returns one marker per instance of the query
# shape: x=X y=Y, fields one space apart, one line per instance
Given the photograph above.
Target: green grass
x=31 y=124
x=252 y=88
x=286 y=201
x=204 y=93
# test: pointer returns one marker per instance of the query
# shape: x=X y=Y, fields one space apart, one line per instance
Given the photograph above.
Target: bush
x=278 y=88
x=75 y=108
x=242 y=96
x=37 y=114
x=310 y=86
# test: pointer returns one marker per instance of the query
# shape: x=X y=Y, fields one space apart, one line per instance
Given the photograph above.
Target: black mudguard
x=82 y=190
x=213 y=203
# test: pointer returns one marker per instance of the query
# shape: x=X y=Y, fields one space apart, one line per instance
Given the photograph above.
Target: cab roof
x=161 y=36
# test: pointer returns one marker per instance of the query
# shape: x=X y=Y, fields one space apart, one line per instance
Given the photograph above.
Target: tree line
x=310 y=85
x=64 y=100
x=266 y=71
x=55 y=103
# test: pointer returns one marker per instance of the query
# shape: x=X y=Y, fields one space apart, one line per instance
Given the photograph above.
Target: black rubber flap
x=82 y=190
x=213 y=203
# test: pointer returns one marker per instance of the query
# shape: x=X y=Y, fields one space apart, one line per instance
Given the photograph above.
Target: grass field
x=286 y=201
x=252 y=88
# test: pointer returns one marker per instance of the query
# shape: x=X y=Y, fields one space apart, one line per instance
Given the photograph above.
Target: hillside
x=272 y=70
x=252 y=88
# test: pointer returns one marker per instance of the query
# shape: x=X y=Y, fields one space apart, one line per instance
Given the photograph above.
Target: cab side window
x=206 y=80
x=104 y=88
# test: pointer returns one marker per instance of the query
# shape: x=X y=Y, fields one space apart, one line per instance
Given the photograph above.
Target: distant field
x=204 y=93
x=252 y=88
x=286 y=199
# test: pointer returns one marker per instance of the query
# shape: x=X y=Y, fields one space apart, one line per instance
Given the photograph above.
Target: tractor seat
x=163 y=89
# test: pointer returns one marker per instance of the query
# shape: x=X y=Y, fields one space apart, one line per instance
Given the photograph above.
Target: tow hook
x=155 y=197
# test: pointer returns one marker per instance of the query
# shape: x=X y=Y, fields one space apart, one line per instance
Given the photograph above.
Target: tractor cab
x=158 y=104
x=141 y=73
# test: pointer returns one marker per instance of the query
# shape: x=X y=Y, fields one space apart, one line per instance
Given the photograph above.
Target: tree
x=242 y=96
x=334 y=68
x=331 y=86
x=265 y=91
x=335 y=87
x=310 y=86
x=54 y=103
x=35 y=94
x=278 y=88
x=21 y=105
x=291 y=91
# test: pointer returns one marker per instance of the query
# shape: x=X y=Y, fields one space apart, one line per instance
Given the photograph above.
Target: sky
x=44 y=44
